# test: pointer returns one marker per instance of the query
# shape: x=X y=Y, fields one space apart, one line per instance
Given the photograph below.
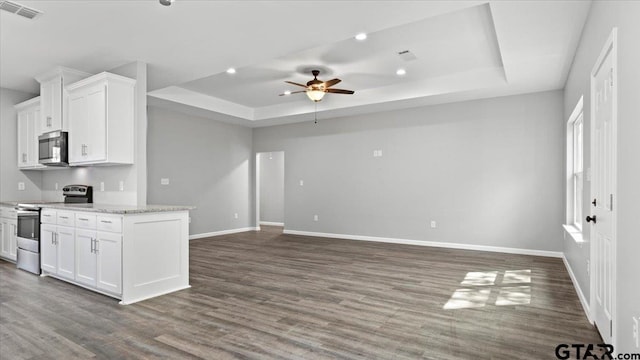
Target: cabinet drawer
x=48 y=217
x=110 y=223
x=65 y=218
x=85 y=221
x=8 y=212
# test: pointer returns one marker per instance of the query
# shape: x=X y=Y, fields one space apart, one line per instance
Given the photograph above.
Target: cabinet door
x=4 y=239
x=23 y=139
x=96 y=136
x=12 y=238
x=109 y=254
x=78 y=127
x=86 y=265
x=48 y=248
x=51 y=112
x=66 y=241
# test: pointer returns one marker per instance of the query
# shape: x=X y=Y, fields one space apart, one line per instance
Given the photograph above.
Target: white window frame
x=575 y=172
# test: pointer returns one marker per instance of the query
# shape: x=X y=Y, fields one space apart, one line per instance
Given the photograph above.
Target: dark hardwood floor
x=264 y=295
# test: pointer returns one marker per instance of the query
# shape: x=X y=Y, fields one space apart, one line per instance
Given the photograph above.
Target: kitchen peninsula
x=130 y=253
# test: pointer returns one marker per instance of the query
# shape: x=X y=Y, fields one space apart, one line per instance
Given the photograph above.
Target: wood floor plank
x=265 y=295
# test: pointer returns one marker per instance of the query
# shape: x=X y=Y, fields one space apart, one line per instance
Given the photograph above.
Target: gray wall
x=133 y=176
x=209 y=165
x=605 y=15
x=9 y=173
x=271 y=175
x=490 y=172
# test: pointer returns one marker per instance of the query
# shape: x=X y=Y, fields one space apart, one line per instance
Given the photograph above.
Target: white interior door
x=603 y=188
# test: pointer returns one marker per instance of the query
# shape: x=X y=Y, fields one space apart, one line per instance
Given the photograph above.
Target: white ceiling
x=464 y=49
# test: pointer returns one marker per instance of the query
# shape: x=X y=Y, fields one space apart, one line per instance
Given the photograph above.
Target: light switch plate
x=315 y=217
x=20 y=186
x=121 y=185
x=101 y=185
x=164 y=181
x=301 y=182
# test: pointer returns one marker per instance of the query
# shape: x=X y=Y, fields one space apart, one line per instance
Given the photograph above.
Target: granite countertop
x=104 y=208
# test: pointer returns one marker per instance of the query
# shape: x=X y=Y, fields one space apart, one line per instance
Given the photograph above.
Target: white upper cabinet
x=28 y=130
x=101 y=120
x=53 y=97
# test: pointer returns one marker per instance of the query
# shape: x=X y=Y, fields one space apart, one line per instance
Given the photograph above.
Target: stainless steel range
x=28 y=237
x=29 y=226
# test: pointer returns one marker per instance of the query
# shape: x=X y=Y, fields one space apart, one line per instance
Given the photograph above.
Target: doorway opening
x=270 y=190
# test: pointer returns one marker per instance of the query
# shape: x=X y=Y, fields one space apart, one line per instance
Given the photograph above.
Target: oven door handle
x=28 y=213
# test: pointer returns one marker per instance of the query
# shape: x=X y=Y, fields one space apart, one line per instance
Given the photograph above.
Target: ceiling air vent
x=407 y=55
x=18 y=9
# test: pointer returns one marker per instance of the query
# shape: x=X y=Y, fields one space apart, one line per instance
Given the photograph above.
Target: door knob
x=594 y=202
x=591 y=218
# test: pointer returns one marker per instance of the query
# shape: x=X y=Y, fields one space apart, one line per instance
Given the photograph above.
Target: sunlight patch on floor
x=480 y=284
x=479 y=278
x=468 y=298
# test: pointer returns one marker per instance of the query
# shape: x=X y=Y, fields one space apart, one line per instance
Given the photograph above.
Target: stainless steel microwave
x=52 y=148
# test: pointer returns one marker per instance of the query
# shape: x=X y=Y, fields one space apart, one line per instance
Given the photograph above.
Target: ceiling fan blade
x=294 y=92
x=340 y=91
x=330 y=83
x=293 y=83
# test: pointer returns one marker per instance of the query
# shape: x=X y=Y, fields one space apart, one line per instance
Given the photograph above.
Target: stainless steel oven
x=28 y=238
x=53 y=148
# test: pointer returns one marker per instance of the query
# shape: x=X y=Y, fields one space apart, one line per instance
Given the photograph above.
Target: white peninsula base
x=155 y=255
x=129 y=253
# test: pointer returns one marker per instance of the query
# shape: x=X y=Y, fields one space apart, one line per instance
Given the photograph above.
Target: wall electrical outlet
x=377 y=153
x=434 y=224
x=235 y=215
x=164 y=181
x=315 y=217
x=301 y=182
x=101 y=185
x=20 y=186
x=121 y=185
x=56 y=186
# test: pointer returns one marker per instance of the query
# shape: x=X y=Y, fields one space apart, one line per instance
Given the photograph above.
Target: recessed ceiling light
x=231 y=71
x=166 y=2
x=287 y=92
x=401 y=72
x=361 y=36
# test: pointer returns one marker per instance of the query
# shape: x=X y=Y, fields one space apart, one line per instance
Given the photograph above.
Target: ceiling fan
x=316 y=89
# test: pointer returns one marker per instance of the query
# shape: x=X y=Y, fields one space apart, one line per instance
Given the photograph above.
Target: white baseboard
x=222 y=232
x=555 y=254
x=576 y=285
x=271 y=223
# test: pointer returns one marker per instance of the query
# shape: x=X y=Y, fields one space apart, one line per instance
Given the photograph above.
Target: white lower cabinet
x=99 y=260
x=8 y=238
x=109 y=261
x=8 y=233
x=57 y=250
x=86 y=268
x=82 y=253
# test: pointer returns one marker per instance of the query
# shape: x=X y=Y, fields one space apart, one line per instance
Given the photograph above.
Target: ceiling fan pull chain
x=315 y=113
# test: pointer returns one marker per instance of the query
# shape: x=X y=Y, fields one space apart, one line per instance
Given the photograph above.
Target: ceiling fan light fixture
x=315 y=94
x=361 y=36
x=167 y=2
x=231 y=71
x=401 y=72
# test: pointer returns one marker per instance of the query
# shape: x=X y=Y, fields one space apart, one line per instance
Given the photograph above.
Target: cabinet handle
x=106 y=221
x=96 y=250
x=83 y=219
x=48 y=121
x=64 y=217
x=46 y=215
x=91 y=245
